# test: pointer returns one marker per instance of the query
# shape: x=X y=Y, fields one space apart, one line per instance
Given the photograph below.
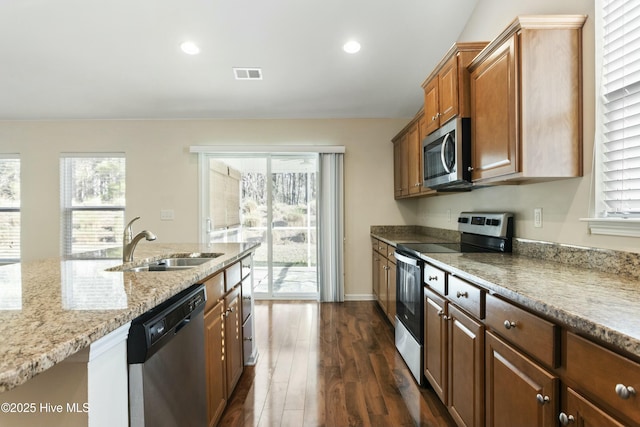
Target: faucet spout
x=129 y=242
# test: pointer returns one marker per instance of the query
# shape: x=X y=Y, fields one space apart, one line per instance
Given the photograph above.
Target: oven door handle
x=405 y=259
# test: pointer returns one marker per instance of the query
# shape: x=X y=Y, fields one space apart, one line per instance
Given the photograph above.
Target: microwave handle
x=406 y=259
x=447 y=137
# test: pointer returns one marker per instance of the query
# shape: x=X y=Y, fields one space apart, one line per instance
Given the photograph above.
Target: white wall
x=161 y=173
x=563 y=202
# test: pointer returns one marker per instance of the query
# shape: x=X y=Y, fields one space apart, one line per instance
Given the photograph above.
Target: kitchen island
x=57 y=310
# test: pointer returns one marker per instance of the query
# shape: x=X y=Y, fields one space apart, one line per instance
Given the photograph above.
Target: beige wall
x=161 y=173
x=563 y=202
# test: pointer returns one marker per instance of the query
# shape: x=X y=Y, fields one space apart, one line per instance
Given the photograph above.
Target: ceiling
x=120 y=59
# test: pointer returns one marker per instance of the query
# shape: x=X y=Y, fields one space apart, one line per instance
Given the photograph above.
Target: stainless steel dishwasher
x=165 y=353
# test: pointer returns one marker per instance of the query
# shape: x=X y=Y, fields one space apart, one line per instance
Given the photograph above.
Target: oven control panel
x=486 y=223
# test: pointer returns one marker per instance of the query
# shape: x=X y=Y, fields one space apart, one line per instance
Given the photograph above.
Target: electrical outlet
x=537 y=217
x=167 y=215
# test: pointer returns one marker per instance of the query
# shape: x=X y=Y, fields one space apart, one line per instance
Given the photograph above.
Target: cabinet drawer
x=603 y=374
x=534 y=335
x=435 y=279
x=232 y=275
x=467 y=296
x=215 y=290
x=382 y=248
x=391 y=250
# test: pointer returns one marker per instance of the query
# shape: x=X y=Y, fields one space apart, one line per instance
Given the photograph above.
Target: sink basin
x=169 y=264
x=181 y=262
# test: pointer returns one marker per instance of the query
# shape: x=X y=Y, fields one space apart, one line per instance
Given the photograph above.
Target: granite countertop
x=596 y=304
x=51 y=309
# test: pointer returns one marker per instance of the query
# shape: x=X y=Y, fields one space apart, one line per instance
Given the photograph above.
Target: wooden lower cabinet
x=519 y=392
x=216 y=369
x=384 y=277
x=578 y=411
x=233 y=344
x=466 y=368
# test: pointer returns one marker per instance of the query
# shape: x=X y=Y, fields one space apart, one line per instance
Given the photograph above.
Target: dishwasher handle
x=182 y=324
x=405 y=259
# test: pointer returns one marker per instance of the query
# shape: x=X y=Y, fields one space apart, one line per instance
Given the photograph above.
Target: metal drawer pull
x=542 y=399
x=462 y=294
x=508 y=324
x=435 y=278
x=625 y=392
x=566 y=419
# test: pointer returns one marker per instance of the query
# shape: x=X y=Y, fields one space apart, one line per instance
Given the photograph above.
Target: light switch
x=537 y=217
x=166 y=215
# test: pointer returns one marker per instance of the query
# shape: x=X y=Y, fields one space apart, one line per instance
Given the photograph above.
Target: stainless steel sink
x=173 y=263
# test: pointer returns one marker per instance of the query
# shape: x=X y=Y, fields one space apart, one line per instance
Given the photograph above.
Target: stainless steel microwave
x=446 y=155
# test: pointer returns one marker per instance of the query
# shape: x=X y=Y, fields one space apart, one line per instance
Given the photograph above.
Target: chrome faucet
x=129 y=242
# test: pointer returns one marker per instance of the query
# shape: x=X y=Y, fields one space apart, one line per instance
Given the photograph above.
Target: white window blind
x=9 y=208
x=620 y=91
x=92 y=191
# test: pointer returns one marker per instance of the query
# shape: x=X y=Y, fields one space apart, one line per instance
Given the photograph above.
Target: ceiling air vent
x=248 y=73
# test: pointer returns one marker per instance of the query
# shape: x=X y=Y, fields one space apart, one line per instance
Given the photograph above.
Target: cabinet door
x=233 y=338
x=494 y=136
x=375 y=274
x=580 y=412
x=414 y=147
x=391 y=291
x=448 y=90
x=466 y=369
x=382 y=273
x=216 y=369
x=435 y=343
x=431 y=109
x=397 y=169
x=400 y=171
x=519 y=391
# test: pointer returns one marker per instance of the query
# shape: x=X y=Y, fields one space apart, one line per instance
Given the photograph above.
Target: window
x=618 y=118
x=92 y=189
x=9 y=209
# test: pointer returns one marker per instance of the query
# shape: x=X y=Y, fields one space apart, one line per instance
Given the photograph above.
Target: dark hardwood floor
x=329 y=364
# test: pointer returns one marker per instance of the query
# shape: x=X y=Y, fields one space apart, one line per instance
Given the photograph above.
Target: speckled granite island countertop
x=599 y=304
x=51 y=309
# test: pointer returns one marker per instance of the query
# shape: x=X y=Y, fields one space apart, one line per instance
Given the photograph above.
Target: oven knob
x=463 y=219
x=495 y=222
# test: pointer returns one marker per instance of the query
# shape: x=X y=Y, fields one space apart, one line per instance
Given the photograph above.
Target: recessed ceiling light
x=351 y=46
x=190 y=48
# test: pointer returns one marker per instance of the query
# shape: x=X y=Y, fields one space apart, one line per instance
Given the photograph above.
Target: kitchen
x=154 y=147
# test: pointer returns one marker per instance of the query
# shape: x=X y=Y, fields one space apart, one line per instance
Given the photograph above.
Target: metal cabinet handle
x=470 y=169
x=248 y=339
x=462 y=294
x=565 y=419
x=625 y=392
x=542 y=399
x=435 y=278
x=440 y=313
x=447 y=317
x=508 y=324
x=247 y=298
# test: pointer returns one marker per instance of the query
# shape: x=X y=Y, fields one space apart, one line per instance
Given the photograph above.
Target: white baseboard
x=359 y=297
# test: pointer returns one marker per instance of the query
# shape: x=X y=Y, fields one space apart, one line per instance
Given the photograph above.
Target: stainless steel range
x=480 y=232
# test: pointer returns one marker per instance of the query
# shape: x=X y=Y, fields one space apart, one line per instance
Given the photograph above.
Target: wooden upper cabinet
x=407 y=159
x=526 y=101
x=446 y=90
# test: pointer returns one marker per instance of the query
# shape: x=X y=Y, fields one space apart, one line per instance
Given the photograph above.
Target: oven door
x=409 y=294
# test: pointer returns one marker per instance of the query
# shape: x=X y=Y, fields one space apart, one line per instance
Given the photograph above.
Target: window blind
x=92 y=191
x=9 y=209
x=620 y=89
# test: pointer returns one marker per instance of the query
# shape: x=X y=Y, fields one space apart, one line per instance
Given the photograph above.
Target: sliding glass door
x=271 y=199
